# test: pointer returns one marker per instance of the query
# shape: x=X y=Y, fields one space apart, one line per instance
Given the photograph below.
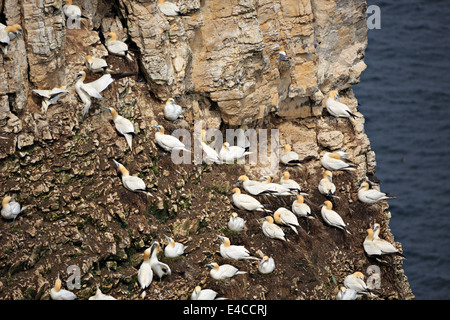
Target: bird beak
x=117 y=164
x=221 y=238
x=237 y=183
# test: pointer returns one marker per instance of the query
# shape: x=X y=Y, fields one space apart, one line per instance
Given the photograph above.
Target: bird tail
x=241 y=272
x=23 y=208
x=129 y=57
x=129 y=139
x=252 y=258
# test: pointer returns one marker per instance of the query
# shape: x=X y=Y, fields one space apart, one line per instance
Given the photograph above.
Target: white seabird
x=346 y=294
x=124 y=126
x=95 y=64
x=235 y=252
x=168 y=8
x=101 y=296
x=252 y=186
x=70 y=10
x=211 y=154
x=336 y=108
x=6 y=34
x=356 y=282
x=86 y=91
x=326 y=185
x=371 y=196
x=246 y=202
x=229 y=153
x=131 y=183
x=289 y=158
x=159 y=268
x=266 y=265
x=337 y=161
x=167 y=142
x=301 y=209
x=276 y=188
x=369 y=246
x=117 y=47
x=172 y=111
x=57 y=293
x=384 y=246
x=271 y=230
x=145 y=273
x=331 y=217
x=10 y=208
x=204 y=294
x=173 y=249
x=236 y=223
x=50 y=97
x=292 y=185
x=223 y=271
x=283 y=216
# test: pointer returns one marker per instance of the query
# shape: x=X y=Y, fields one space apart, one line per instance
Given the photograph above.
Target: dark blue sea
x=405 y=97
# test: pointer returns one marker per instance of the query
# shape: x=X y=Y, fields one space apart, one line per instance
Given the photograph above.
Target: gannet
x=283 y=216
x=301 y=209
x=336 y=108
x=337 y=161
x=172 y=111
x=203 y=294
x=168 y=142
x=235 y=252
x=131 y=183
x=101 y=296
x=371 y=196
x=283 y=56
x=173 y=249
x=229 y=153
x=246 y=202
x=17 y=29
x=253 y=187
x=168 y=8
x=6 y=34
x=271 y=230
x=211 y=154
x=289 y=158
x=236 y=223
x=331 y=217
x=384 y=246
x=346 y=294
x=292 y=185
x=70 y=10
x=369 y=246
x=223 y=271
x=96 y=64
x=266 y=265
x=117 y=47
x=50 y=97
x=276 y=188
x=356 y=282
x=326 y=185
x=145 y=273
x=159 y=268
x=124 y=126
x=56 y=293
x=11 y=208
x=86 y=91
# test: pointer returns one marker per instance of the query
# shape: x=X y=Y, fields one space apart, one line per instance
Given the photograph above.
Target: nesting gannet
x=172 y=111
x=235 y=252
x=276 y=188
x=371 y=196
x=384 y=246
x=6 y=34
x=369 y=246
x=246 y=202
x=50 y=97
x=56 y=293
x=70 y=10
x=271 y=230
x=252 y=186
x=266 y=265
x=231 y=153
x=326 y=185
x=223 y=271
x=346 y=294
x=292 y=185
x=131 y=183
x=168 y=142
x=336 y=108
x=173 y=249
x=124 y=126
x=211 y=154
x=17 y=29
x=117 y=47
x=145 y=273
x=203 y=294
x=331 y=217
x=301 y=209
x=236 y=223
x=11 y=208
x=285 y=217
x=101 y=296
x=356 y=282
x=289 y=158
x=159 y=268
x=337 y=161
x=86 y=91
x=168 y=8
x=95 y=64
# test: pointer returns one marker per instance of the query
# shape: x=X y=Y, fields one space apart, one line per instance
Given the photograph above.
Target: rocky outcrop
x=220 y=61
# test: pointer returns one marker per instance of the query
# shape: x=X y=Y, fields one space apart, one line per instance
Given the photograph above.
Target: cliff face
x=220 y=62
